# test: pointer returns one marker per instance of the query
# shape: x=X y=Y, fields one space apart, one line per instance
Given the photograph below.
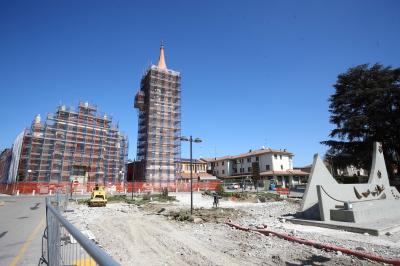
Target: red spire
x=161 y=60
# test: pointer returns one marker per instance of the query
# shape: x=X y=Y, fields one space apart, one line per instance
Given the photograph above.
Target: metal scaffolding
x=159 y=124
x=80 y=144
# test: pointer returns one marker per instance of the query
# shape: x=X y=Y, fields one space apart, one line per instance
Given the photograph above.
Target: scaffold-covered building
x=159 y=124
x=81 y=145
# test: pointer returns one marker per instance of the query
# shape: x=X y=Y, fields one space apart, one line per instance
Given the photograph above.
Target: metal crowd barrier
x=64 y=244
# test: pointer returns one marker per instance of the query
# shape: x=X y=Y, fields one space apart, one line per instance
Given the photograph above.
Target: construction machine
x=98 y=197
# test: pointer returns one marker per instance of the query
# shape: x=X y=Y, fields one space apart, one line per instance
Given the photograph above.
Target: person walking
x=216 y=200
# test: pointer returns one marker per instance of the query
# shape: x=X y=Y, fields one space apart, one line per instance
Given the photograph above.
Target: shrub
x=220 y=190
x=164 y=192
x=116 y=198
x=147 y=196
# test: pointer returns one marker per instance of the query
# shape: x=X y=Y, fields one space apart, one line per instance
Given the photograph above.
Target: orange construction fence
x=282 y=191
x=50 y=188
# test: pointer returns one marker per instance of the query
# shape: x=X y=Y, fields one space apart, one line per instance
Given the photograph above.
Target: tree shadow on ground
x=35 y=207
x=313 y=260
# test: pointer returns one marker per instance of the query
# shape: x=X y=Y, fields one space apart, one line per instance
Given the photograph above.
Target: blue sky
x=254 y=73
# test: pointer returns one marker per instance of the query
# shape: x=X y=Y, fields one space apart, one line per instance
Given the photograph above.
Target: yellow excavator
x=98 y=197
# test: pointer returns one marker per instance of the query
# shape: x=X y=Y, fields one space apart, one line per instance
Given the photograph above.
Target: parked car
x=233 y=186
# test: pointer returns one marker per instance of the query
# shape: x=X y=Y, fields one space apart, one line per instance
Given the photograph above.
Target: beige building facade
x=276 y=165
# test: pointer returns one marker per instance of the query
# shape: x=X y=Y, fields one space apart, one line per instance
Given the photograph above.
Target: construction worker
x=216 y=200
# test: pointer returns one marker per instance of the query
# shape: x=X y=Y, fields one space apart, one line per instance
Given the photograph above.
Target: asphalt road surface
x=22 y=222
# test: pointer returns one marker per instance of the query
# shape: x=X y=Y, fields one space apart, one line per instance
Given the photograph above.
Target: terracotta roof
x=196 y=175
x=235 y=176
x=287 y=172
x=184 y=160
x=217 y=159
x=269 y=173
x=301 y=167
x=250 y=153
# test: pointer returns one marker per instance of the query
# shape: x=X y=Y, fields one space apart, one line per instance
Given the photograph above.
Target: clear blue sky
x=253 y=72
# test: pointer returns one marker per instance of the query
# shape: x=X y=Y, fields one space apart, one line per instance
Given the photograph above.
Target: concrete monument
x=372 y=207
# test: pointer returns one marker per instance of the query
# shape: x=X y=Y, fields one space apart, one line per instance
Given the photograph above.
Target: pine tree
x=365 y=108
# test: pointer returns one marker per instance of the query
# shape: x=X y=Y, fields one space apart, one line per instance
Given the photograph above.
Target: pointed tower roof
x=161 y=60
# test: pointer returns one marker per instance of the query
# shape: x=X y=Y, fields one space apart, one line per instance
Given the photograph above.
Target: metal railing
x=64 y=244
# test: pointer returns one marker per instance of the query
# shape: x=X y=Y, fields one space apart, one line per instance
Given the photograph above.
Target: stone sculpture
x=327 y=200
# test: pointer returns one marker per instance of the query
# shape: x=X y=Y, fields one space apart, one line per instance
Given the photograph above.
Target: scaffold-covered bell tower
x=159 y=123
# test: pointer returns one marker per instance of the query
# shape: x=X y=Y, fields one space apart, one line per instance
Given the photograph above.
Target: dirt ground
x=153 y=235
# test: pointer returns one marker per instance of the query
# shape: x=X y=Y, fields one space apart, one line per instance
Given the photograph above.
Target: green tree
x=365 y=108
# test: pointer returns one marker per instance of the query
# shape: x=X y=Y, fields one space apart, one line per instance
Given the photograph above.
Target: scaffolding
x=81 y=144
x=159 y=125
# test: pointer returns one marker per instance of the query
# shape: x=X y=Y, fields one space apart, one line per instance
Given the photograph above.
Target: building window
x=280 y=156
x=249 y=160
x=223 y=172
x=249 y=169
x=241 y=160
x=275 y=156
x=223 y=163
x=234 y=170
x=267 y=168
x=217 y=163
x=281 y=167
x=257 y=159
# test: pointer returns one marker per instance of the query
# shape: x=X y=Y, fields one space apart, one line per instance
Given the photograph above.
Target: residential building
x=351 y=170
x=198 y=166
x=199 y=171
x=306 y=168
x=159 y=123
x=72 y=144
x=273 y=164
x=349 y=173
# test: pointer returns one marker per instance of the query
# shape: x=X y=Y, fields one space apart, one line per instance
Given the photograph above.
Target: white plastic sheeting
x=16 y=153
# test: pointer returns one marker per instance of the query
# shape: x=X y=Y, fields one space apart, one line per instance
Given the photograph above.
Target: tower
x=159 y=123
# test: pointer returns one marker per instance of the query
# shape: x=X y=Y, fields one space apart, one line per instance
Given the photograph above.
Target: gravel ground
x=141 y=236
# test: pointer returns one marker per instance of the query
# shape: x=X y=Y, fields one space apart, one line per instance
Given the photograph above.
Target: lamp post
x=160 y=177
x=243 y=180
x=133 y=174
x=191 y=140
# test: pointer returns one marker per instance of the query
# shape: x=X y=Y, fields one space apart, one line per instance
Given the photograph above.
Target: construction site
x=81 y=146
x=161 y=231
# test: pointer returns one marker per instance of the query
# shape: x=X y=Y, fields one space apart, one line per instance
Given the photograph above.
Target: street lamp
x=191 y=140
x=133 y=175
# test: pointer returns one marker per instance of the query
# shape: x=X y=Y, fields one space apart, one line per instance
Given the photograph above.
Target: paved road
x=22 y=222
